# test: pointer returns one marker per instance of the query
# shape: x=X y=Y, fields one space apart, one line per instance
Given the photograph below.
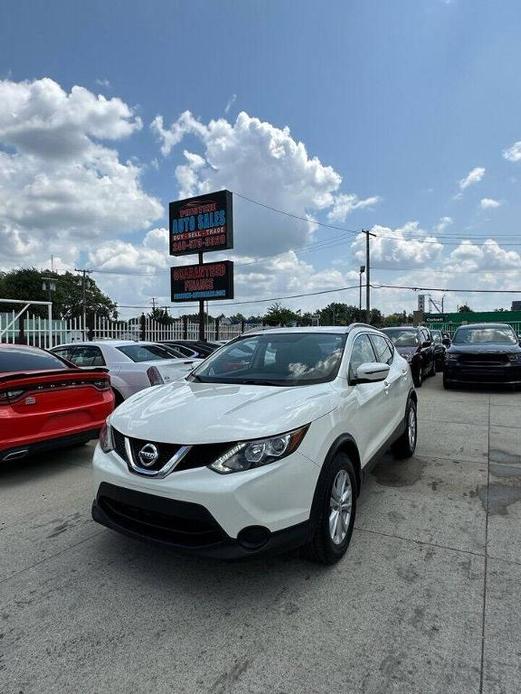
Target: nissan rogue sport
x=264 y=446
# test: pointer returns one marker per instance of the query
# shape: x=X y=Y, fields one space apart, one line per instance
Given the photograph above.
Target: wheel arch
x=345 y=443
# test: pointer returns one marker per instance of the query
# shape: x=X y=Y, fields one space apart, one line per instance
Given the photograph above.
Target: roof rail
x=362 y=325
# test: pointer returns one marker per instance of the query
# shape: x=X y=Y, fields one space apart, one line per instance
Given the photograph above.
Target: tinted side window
x=63 y=352
x=87 y=356
x=382 y=349
x=362 y=353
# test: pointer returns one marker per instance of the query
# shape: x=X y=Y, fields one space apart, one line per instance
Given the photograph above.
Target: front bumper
x=507 y=374
x=185 y=527
x=275 y=498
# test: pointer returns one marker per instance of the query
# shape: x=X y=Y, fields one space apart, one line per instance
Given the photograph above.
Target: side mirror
x=371 y=372
x=446 y=341
x=427 y=343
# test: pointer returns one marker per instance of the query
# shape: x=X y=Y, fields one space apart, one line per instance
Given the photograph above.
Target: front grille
x=198 y=456
x=484 y=359
x=176 y=522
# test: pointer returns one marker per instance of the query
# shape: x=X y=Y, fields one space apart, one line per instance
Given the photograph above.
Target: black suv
x=483 y=353
x=416 y=345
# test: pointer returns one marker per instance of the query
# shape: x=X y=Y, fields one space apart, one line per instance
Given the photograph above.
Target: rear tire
x=432 y=372
x=405 y=446
x=417 y=378
x=334 y=512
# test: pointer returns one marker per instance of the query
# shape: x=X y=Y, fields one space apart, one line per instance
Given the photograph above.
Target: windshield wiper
x=260 y=382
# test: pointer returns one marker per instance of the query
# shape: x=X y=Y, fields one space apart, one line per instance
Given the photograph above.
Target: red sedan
x=47 y=403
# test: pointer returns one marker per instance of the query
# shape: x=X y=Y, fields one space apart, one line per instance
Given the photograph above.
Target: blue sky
x=401 y=100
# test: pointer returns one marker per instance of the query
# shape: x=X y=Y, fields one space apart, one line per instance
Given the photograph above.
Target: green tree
x=27 y=284
x=161 y=316
x=280 y=315
x=465 y=309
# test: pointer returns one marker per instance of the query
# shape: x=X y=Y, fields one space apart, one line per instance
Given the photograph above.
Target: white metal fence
x=34 y=330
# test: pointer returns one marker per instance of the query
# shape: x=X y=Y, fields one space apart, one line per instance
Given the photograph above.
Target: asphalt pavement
x=425 y=601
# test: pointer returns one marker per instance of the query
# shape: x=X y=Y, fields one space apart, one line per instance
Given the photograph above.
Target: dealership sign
x=201 y=224
x=202 y=282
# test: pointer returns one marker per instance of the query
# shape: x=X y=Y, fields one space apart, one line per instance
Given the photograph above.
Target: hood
x=173 y=369
x=484 y=349
x=187 y=412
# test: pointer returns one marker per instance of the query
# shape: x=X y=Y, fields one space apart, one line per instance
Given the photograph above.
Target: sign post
x=200 y=225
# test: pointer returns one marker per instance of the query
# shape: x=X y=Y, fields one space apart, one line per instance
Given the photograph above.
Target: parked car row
x=261 y=446
x=63 y=397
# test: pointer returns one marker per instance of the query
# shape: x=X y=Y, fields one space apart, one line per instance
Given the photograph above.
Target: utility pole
x=154 y=304
x=362 y=270
x=367 y=275
x=84 y=274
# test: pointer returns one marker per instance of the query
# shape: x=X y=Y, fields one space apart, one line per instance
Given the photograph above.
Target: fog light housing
x=253 y=537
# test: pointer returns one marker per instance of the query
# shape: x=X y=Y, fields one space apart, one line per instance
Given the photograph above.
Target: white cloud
x=103 y=82
x=407 y=246
x=472 y=177
x=443 y=224
x=265 y=163
x=489 y=203
x=41 y=119
x=344 y=204
x=470 y=257
x=230 y=103
x=60 y=188
x=513 y=153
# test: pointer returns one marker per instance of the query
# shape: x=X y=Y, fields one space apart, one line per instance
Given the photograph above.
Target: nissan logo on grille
x=148 y=455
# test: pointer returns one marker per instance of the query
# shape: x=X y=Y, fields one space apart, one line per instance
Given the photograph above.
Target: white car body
x=127 y=376
x=362 y=419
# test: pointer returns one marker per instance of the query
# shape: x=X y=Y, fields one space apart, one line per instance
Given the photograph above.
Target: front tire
x=334 y=512
x=405 y=446
x=417 y=377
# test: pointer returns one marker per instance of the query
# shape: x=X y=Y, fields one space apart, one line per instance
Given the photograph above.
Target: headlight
x=451 y=357
x=105 y=438
x=515 y=357
x=246 y=455
x=409 y=357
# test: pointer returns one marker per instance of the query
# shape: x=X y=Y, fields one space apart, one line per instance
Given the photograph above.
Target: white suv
x=263 y=446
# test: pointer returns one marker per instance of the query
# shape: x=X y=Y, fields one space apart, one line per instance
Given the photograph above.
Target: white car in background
x=132 y=365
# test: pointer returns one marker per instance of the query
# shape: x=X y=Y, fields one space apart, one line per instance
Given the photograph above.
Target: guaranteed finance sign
x=200 y=224
x=202 y=282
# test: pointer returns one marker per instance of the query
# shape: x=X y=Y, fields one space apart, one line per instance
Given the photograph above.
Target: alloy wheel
x=340 y=505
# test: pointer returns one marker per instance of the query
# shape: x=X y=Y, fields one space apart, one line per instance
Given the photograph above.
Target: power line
x=295 y=216
x=353 y=231
x=444 y=289
x=273 y=298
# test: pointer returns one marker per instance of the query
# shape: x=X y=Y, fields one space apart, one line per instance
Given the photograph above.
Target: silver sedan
x=132 y=365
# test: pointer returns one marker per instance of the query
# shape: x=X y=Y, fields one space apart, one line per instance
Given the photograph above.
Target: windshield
x=146 y=352
x=283 y=359
x=403 y=337
x=27 y=359
x=498 y=335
